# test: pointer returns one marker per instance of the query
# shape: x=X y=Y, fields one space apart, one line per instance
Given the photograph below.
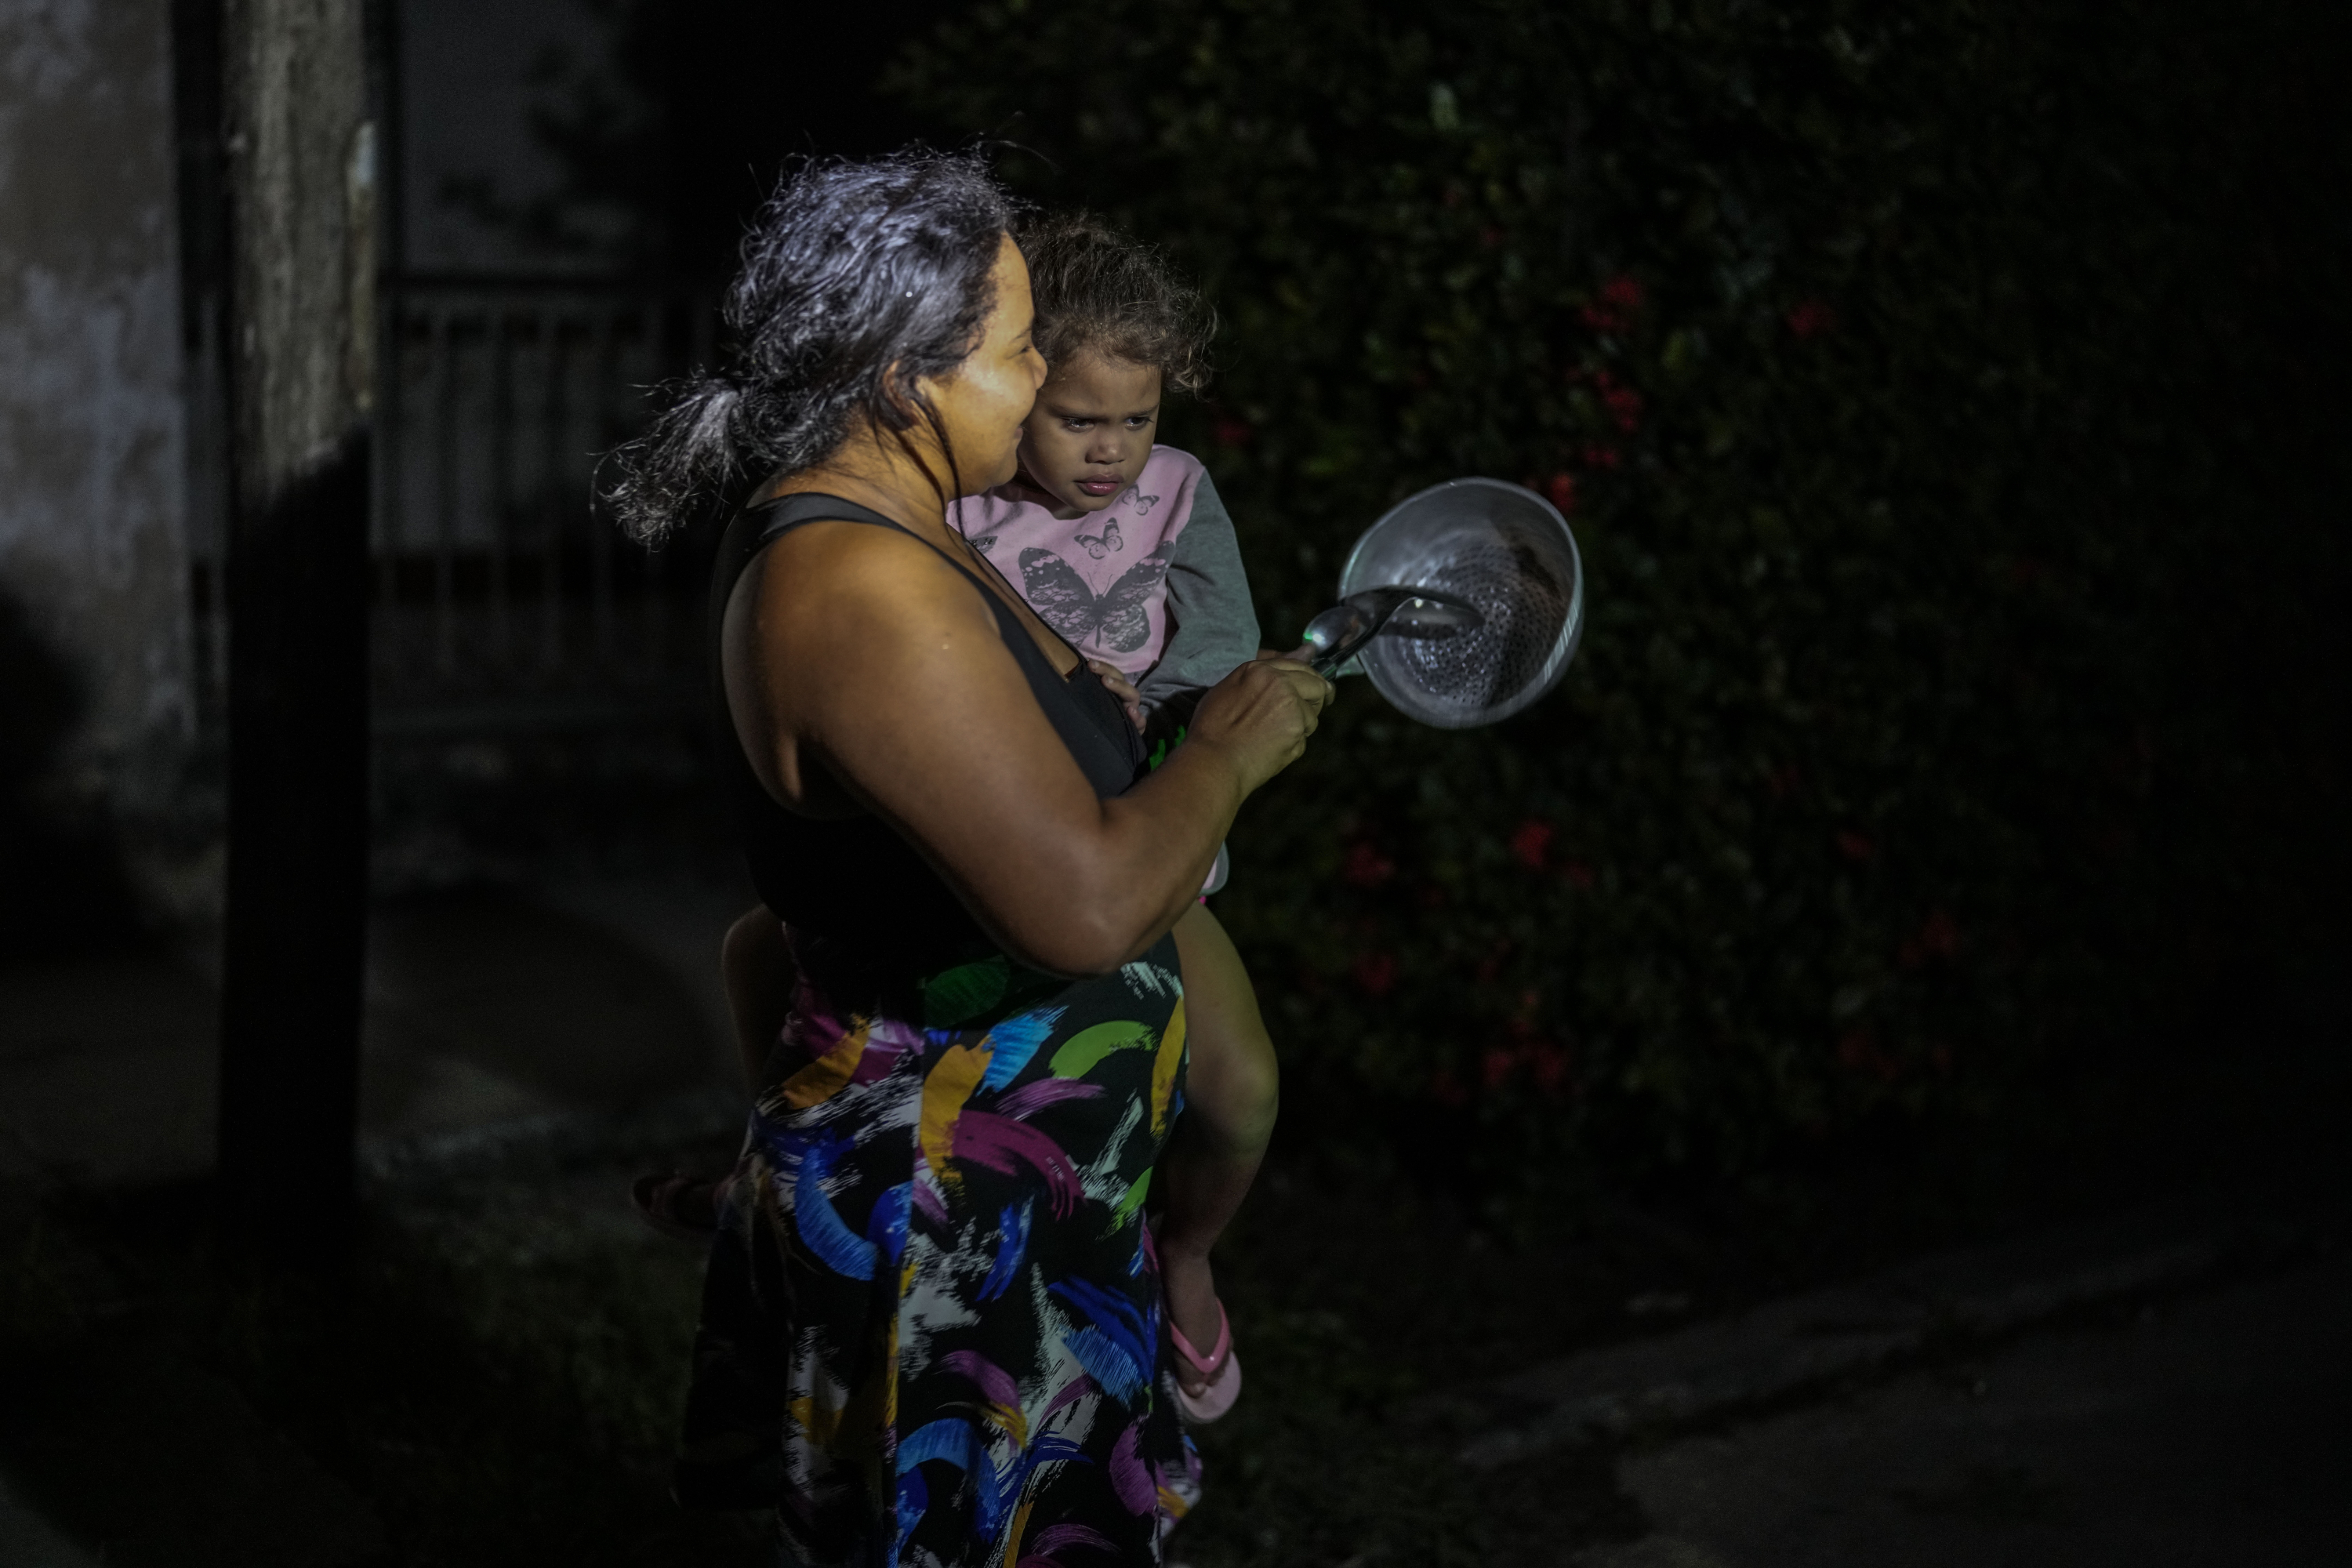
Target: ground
x=2203 y=1429
x=499 y=1380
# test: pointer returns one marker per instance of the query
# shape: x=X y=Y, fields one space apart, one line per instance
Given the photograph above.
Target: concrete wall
x=93 y=467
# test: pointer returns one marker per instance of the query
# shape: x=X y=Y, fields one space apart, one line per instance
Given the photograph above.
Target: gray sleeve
x=1212 y=624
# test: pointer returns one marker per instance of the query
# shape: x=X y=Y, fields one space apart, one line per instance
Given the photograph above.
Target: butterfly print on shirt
x=984 y=544
x=1117 y=620
x=1099 y=544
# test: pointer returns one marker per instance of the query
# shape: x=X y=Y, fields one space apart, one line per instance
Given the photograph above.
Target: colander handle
x=1339 y=633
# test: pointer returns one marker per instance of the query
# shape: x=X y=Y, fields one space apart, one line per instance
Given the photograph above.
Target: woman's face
x=1091 y=432
x=983 y=401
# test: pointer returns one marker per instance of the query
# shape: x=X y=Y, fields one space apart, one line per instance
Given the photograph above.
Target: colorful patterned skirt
x=931 y=1329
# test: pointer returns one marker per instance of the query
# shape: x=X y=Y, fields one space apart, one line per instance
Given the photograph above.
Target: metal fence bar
x=444 y=586
x=501 y=488
x=495 y=561
x=550 y=588
x=600 y=542
x=656 y=325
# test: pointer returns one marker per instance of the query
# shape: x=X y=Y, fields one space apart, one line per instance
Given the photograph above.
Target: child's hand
x=1120 y=688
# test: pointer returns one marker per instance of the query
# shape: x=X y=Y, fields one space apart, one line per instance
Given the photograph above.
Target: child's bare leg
x=757 y=967
x=1233 y=1091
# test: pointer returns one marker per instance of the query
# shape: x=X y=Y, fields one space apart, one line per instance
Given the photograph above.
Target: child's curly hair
x=1096 y=290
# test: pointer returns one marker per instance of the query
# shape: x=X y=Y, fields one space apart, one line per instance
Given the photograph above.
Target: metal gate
x=505 y=599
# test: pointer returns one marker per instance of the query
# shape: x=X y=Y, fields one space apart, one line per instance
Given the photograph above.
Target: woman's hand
x=1261 y=715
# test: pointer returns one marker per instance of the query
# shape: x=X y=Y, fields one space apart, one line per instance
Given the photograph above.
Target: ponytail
x=859 y=281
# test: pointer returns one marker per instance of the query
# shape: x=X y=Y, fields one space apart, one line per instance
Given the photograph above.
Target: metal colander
x=1506 y=550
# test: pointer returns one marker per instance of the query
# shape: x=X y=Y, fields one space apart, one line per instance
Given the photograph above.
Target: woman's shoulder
x=844 y=568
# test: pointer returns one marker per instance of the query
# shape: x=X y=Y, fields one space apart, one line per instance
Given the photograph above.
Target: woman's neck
x=888 y=482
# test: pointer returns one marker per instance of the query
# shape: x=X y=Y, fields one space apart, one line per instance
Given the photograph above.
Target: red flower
x=1858 y=1051
x=1547 y=1063
x=1596 y=456
x=1365 y=866
x=1812 y=319
x=1495 y=1066
x=1577 y=873
x=1531 y=842
x=1940 y=935
x=1376 y=973
x=1625 y=406
x=1561 y=488
x=1854 y=846
x=1620 y=299
x=1490 y=237
x=1446 y=1090
x=1230 y=431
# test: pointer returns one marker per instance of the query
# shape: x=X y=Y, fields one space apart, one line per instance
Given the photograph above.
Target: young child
x=1122 y=546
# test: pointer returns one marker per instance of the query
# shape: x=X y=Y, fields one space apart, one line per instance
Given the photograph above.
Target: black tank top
x=868 y=915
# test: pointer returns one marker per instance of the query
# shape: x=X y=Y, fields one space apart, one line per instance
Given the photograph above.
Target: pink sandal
x=1221 y=1367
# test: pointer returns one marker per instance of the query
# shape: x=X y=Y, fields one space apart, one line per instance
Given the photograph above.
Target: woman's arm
x=859 y=663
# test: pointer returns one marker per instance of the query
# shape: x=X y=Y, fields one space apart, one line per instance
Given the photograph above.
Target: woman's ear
x=903 y=406
x=912 y=424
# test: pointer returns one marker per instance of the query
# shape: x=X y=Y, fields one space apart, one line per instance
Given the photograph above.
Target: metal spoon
x=1335 y=636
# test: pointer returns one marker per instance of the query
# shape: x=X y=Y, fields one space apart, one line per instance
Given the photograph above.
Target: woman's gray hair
x=860 y=280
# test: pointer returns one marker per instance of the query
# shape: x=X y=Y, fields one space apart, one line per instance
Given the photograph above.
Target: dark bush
x=1937 y=394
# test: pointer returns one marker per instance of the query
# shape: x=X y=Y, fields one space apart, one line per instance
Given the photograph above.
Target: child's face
x=1090 y=433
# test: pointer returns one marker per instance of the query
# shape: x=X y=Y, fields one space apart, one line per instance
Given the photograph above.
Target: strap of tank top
x=805 y=507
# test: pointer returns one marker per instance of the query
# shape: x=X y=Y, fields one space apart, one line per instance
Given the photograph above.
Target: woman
x=932 y=1329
